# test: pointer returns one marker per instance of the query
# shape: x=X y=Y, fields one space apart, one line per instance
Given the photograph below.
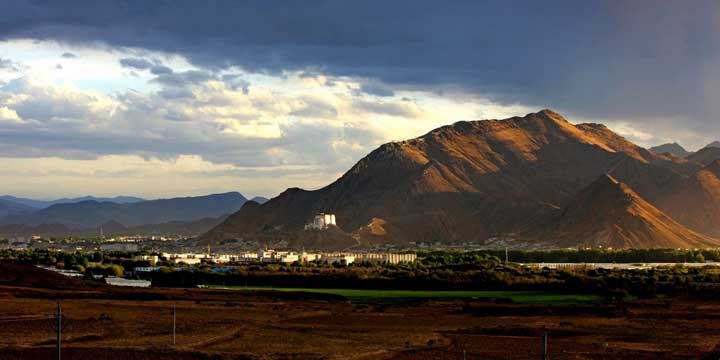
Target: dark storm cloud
x=376 y=88
x=136 y=63
x=235 y=82
x=160 y=70
x=641 y=59
x=170 y=78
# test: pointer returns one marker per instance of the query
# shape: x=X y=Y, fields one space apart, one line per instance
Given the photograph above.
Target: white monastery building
x=321 y=221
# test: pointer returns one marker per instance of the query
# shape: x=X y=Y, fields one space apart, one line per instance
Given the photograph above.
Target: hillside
x=33 y=277
x=610 y=214
x=466 y=182
x=92 y=214
x=705 y=155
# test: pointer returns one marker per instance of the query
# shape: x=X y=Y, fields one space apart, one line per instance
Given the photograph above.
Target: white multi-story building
x=247 y=257
x=321 y=221
x=388 y=258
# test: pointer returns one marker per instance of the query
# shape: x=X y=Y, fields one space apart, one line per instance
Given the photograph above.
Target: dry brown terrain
x=610 y=214
x=112 y=323
x=696 y=202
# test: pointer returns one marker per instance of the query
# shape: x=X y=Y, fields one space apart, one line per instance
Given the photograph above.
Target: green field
x=362 y=296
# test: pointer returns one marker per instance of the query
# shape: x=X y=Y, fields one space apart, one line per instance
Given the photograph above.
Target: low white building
x=309 y=257
x=190 y=259
x=342 y=259
x=321 y=221
x=153 y=259
x=119 y=246
x=289 y=258
x=272 y=256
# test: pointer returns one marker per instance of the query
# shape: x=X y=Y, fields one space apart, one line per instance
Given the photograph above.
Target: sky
x=176 y=98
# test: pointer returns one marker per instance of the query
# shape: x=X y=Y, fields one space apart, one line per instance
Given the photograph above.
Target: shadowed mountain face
x=260 y=200
x=715 y=144
x=610 y=214
x=705 y=155
x=696 y=202
x=468 y=181
x=92 y=214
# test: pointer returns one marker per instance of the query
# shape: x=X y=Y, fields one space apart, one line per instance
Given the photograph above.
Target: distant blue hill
x=93 y=213
x=41 y=204
x=8 y=208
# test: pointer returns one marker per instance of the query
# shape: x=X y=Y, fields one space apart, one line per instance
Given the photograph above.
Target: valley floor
x=220 y=324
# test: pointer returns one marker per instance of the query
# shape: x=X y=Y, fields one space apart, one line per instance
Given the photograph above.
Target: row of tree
x=579 y=256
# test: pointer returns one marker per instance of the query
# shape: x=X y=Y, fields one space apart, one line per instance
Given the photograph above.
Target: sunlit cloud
x=162 y=120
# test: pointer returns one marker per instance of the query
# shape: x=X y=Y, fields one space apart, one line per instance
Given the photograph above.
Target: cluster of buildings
x=289 y=257
x=18 y=242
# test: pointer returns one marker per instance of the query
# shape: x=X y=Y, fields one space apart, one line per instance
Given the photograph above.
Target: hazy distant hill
x=471 y=181
x=91 y=214
x=673 y=148
x=114 y=228
x=41 y=204
x=13 y=208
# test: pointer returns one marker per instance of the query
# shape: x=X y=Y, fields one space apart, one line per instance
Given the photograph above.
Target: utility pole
x=506 y=255
x=545 y=347
x=174 y=321
x=58 y=331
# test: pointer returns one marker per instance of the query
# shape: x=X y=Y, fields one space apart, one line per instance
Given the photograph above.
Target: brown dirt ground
x=112 y=323
x=256 y=326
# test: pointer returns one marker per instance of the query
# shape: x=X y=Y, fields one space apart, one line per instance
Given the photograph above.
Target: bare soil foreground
x=113 y=323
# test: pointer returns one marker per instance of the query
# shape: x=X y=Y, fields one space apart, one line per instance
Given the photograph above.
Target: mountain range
x=677 y=150
x=537 y=180
x=124 y=216
x=91 y=213
x=113 y=228
x=41 y=204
